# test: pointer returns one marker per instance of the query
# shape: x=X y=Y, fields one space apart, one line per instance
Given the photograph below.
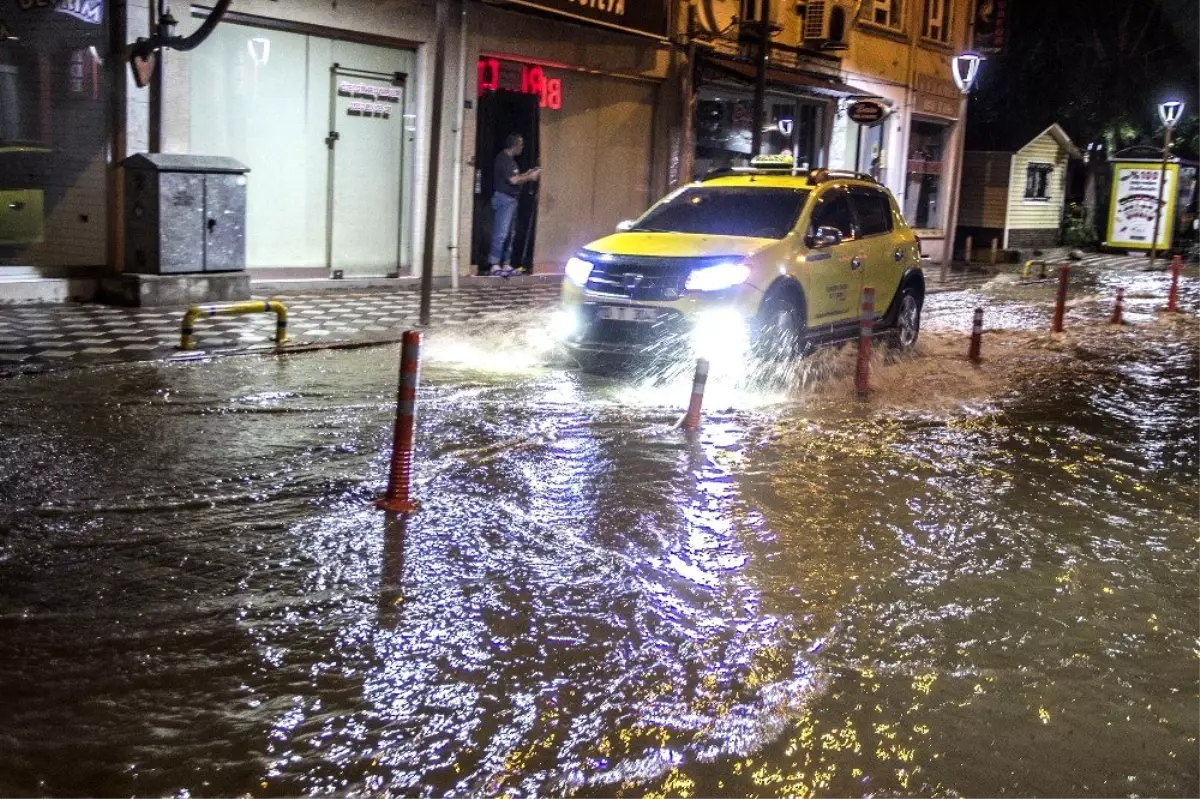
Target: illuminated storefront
x=53 y=138
x=588 y=122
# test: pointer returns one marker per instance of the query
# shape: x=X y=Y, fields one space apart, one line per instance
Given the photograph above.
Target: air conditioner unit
x=826 y=23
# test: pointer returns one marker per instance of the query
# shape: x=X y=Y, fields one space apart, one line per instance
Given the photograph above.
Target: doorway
x=366 y=130
x=501 y=113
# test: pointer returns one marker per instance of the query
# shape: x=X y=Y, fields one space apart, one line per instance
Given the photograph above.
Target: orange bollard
x=1173 y=296
x=866 y=330
x=1060 y=304
x=1118 y=309
x=691 y=419
x=976 y=336
x=398 y=498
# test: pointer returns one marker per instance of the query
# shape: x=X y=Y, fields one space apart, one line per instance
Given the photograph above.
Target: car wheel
x=908 y=320
x=782 y=328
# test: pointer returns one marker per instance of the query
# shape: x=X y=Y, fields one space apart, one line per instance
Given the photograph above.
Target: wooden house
x=1016 y=195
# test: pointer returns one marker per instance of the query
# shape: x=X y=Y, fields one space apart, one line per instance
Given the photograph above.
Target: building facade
x=902 y=51
x=329 y=106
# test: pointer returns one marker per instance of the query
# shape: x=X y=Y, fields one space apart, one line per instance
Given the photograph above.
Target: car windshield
x=768 y=213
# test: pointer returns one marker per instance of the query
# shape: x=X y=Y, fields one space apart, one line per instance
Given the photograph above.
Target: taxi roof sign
x=776 y=161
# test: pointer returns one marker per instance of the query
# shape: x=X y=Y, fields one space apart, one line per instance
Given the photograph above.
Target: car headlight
x=721 y=335
x=717 y=278
x=578 y=270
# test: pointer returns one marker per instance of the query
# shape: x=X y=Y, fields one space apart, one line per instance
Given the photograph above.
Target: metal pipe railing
x=187 y=340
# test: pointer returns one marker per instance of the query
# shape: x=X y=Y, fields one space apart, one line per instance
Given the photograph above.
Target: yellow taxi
x=766 y=258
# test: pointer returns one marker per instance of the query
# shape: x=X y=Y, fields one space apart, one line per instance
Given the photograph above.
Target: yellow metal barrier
x=187 y=339
x=1029 y=265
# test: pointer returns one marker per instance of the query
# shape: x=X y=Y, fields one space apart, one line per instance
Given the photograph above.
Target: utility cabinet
x=184 y=214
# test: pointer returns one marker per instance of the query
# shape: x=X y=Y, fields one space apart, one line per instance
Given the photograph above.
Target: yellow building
x=826 y=55
x=902 y=50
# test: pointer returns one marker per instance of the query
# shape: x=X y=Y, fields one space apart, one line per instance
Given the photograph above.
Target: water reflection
x=956 y=587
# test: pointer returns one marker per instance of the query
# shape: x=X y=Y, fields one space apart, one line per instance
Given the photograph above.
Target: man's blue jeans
x=504 y=209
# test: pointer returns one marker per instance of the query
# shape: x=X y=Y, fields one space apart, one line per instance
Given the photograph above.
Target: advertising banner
x=1134 y=199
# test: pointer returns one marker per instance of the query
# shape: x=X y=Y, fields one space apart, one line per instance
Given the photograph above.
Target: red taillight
x=920 y=254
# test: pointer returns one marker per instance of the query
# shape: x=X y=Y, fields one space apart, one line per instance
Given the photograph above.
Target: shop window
x=1037 y=182
x=833 y=210
x=20 y=122
x=923 y=187
x=724 y=136
x=937 y=20
x=873 y=210
x=886 y=13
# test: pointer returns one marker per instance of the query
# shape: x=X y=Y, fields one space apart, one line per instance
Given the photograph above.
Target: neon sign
x=495 y=74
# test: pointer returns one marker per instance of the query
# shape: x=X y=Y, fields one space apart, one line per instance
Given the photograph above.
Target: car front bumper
x=707 y=325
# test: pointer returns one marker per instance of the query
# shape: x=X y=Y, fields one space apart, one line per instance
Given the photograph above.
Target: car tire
x=907 y=327
x=782 y=328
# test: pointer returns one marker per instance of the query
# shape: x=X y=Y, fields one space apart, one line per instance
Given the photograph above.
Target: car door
x=882 y=254
x=832 y=277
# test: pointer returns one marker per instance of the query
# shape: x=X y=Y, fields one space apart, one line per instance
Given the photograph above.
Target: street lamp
x=1169 y=112
x=964 y=68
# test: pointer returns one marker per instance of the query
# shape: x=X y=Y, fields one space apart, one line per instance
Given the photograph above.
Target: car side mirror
x=826 y=237
x=625 y=225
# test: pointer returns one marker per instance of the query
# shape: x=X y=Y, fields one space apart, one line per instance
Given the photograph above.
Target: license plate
x=624 y=314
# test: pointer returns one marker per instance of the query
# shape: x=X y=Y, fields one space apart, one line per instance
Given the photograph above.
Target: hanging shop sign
x=867 y=112
x=643 y=17
x=496 y=74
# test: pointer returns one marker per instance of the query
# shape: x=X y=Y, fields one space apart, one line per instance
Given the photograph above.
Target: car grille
x=642 y=281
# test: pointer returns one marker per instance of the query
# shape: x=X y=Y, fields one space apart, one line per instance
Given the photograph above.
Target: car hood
x=678 y=245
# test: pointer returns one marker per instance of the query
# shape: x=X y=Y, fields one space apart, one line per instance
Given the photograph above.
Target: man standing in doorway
x=507 y=180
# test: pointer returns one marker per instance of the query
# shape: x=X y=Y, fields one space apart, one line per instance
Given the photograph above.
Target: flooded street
x=982 y=581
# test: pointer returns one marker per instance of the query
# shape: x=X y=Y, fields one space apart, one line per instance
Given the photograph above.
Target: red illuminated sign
x=497 y=75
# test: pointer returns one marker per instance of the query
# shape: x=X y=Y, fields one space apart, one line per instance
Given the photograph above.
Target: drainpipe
x=158 y=13
x=435 y=149
x=456 y=190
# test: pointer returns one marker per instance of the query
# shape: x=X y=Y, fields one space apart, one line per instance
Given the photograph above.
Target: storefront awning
x=809 y=82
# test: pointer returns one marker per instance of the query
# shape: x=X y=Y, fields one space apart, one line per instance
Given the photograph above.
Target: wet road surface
x=983 y=581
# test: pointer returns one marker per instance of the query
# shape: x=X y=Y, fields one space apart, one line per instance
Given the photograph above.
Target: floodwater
x=981 y=581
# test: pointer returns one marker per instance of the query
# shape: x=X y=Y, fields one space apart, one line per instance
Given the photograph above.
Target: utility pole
x=760 y=82
x=435 y=140
x=687 y=144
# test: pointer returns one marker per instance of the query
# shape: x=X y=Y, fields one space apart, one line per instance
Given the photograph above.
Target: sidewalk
x=34 y=337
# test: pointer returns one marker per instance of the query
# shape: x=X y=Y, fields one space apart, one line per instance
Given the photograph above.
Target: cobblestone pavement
x=35 y=336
